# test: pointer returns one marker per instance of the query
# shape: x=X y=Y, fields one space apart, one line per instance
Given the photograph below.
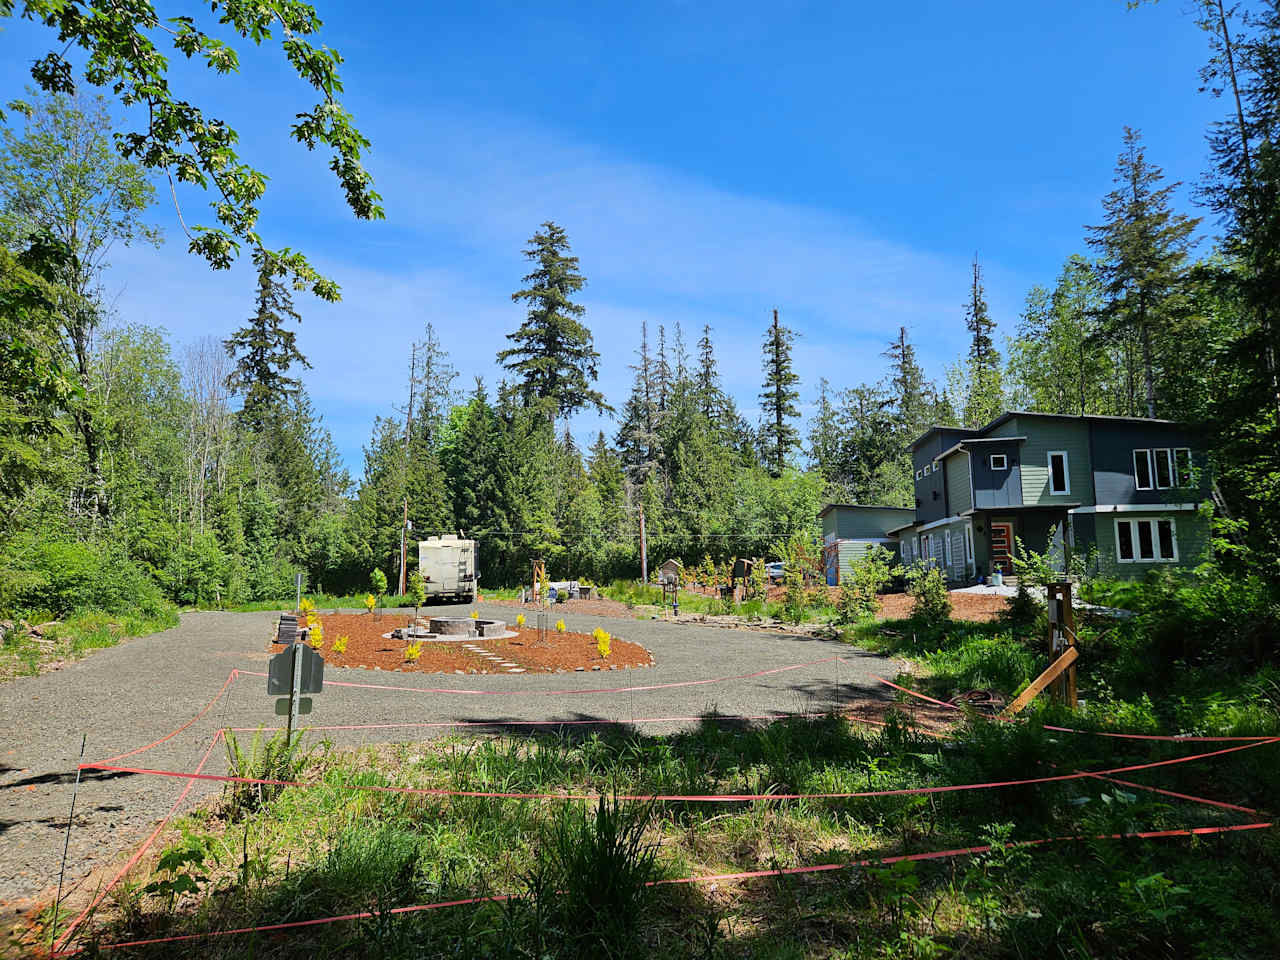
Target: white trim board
x=934 y=524
x=1136 y=508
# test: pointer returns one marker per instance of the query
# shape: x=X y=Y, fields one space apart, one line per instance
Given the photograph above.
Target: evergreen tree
x=984 y=396
x=1143 y=247
x=1058 y=363
x=778 y=398
x=825 y=435
x=638 y=432
x=553 y=353
x=909 y=387
x=264 y=350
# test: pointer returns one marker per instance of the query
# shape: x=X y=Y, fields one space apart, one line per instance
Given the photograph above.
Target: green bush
x=63 y=576
x=868 y=576
x=932 y=604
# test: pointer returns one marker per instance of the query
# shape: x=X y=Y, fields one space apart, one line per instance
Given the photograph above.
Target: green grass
x=75 y=637
x=632 y=593
x=579 y=868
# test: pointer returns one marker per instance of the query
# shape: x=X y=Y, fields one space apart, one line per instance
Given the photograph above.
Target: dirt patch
x=524 y=653
x=980 y=607
x=918 y=714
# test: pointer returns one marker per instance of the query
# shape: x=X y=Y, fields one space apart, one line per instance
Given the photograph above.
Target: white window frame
x=968 y=544
x=926 y=469
x=919 y=475
x=1066 y=472
x=1151 y=471
x=946 y=548
x=1191 y=468
x=937 y=465
x=1004 y=461
x=1155 y=462
x=1135 y=539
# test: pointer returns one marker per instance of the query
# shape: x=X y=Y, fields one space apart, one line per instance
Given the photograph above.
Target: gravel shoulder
x=127 y=696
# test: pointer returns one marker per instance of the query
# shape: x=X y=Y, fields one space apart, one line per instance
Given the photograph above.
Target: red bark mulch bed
x=561 y=652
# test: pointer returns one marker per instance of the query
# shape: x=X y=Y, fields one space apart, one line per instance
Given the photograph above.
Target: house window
x=1164 y=468
x=1142 y=469
x=999 y=461
x=946 y=548
x=1124 y=541
x=968 y=544
x=1059 y=481
x=936 y=466
x=1146 y=541
x=1182 y=467
x=919 y=475
x=926 y=469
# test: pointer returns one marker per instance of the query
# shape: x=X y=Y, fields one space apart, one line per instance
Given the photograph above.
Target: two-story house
x=1131 y=487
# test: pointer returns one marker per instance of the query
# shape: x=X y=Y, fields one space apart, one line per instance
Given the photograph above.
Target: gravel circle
x=127 y=696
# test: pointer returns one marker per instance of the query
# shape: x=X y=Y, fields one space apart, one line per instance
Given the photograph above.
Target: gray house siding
x=1113 y=446
x=1045 y=435
x=1191 y=534
x=955 y=470
x=996 y=488
x=856 y=522
x=931 y=499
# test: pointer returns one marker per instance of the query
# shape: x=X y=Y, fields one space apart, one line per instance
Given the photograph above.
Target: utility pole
x=408 y=452
x=644 y=551
x=404 y=544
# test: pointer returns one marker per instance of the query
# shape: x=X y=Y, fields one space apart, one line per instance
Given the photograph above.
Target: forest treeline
x=136 y=472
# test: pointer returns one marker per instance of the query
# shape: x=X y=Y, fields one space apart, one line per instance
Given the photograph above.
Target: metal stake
x=66 y=844
x=295 y=685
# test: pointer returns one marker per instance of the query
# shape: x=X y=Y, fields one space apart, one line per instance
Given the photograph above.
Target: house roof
x=901 y=527
x=1008 y=414
x=861 y=506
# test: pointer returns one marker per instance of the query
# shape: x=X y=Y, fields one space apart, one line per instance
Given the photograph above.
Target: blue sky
x=710 y=161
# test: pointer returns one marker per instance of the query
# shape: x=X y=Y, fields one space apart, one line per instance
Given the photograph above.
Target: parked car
x=774 y=571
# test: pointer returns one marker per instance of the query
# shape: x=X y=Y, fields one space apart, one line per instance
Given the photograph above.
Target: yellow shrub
x=475 y=614
x=560 y=627
x=370 y=601
x=340 y=645
x=412 y=652
x=519 y=619
x=603 y=641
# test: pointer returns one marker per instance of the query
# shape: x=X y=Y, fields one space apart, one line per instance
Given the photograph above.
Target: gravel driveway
x=130 y=695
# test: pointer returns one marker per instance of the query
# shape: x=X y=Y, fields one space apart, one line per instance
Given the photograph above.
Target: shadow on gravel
x=87 y=776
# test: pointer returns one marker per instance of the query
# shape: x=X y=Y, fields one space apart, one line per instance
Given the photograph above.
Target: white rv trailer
x=450 y=566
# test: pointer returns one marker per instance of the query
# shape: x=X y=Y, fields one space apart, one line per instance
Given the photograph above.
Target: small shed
x=849 y=530
x=671 y=572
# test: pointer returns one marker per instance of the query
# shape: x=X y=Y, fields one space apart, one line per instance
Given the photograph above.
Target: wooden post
x=1062 y=636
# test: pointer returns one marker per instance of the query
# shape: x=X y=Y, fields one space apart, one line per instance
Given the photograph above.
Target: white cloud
x=654 y=244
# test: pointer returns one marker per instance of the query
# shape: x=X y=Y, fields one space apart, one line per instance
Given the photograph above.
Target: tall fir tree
x=984 y=396
x=779 y=436
x=554 y=355
x=908 y=385
x=638 y=432
x=264 y=349
x=1143 y=248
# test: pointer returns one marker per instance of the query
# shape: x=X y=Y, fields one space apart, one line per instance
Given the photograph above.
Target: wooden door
x=1002 y=547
